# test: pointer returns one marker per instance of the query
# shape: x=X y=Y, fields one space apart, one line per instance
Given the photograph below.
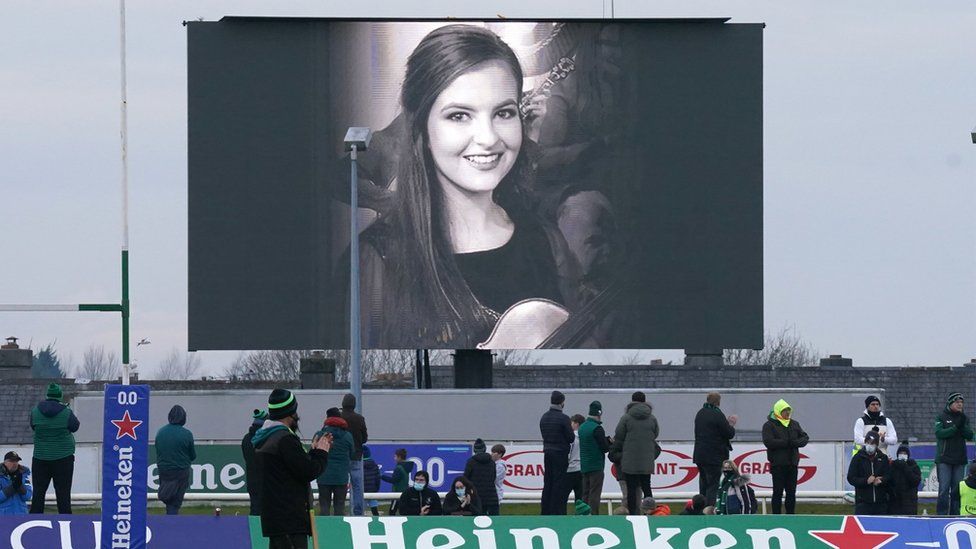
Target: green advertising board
x=218 y=468
x=638 y=532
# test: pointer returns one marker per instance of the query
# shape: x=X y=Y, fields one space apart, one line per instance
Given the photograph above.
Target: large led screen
x=529 y=184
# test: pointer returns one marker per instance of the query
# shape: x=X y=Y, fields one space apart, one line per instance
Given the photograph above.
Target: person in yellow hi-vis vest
x=967 y=492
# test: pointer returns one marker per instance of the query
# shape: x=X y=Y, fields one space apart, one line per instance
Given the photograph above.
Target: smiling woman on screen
x=460 y=246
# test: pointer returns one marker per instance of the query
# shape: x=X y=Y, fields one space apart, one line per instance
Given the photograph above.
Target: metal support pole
x=355 y=346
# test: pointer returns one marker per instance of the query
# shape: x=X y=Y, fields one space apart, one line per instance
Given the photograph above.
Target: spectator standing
x=334 y=481
x=952 y=430
x=371 y=480
x=174 y=454
x=735 y=496
x=252 y=473
x=905 y=478
x=574 y=478
x=557 y=435
x=636 y=435
x=498 y=455
x=53 y=424
x=783 y=437
x=286 y=473
x=357 y=428
x=420 y=499
x=594 y=445
x=400 y=476
x=462 y=499
x=874 y=419
x=868 y=473
x=967 y=492
x=480 y=470
x=15 y=486
x=713 y=442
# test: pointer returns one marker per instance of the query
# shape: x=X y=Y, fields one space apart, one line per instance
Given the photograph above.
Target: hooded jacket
x=636 y=436
x=903 y=486
x=400 y=477
x=868 y=422
x=251 y=469
x=53 y=424
x=864 y=465
x=286 y=471
x=174 y=443
x=952 y=430
x=413 y=500
x=557 y=431
x=713 y=435
x=356 y=425
x=371 y=473
x=783 y=438
x=341 y=454
x=735 y=496
x=480 y=470
x=15 y=497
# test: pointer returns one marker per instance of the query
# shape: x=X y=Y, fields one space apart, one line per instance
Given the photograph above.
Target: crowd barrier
x=517 y=532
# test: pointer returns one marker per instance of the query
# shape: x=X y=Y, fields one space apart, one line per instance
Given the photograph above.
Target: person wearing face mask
x=905 y=478
x=869 y=473
x=952 y=430
x=874 y=420
x=462 y=499
x=735 y=496
x=286 y=473
x=419 y=499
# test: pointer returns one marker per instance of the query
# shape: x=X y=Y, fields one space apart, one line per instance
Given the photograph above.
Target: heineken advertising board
x=518 y=532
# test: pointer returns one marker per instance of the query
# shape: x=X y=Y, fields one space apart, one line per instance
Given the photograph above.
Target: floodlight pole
x=357 y=139
x=355 y=344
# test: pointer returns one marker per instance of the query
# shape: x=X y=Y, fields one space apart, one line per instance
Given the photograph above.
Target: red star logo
x=126 y=426
x=852 y=536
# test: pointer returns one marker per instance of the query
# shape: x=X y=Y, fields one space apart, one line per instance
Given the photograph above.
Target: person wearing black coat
x=903 y=487
x=371 y=479
x=713 y=435
x=419 y=499
x=462 y=499
x=557 y=435
x=480 y=470
x=783 y=438
x=287 y=471
x=869 y=475
x=252 y=473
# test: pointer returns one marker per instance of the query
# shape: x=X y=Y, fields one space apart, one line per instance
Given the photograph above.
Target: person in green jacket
x=594 y=445
x=952 y=430
x=174 y=454
x=54 y=450
x=335 y=479
x=400 y=477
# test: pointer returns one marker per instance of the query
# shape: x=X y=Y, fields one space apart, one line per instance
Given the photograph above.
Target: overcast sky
x=870 y=174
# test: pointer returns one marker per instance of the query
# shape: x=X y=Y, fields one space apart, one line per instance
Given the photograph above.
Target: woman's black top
x=528 y=270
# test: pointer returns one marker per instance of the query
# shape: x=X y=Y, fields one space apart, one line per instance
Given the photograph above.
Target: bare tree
x=99 y=364
x=285 y=365
x=784 y=349
x=178 y=365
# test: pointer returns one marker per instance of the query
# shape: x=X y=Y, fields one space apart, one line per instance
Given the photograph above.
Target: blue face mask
x=419 y=485
x=459 y=492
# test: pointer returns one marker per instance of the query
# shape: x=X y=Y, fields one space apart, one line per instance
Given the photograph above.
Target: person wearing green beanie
x=594 y=445
x=952 y=430
x=252 y=473
x=53 y=424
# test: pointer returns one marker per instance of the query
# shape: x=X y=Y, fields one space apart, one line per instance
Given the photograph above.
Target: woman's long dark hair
x=427 y=284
